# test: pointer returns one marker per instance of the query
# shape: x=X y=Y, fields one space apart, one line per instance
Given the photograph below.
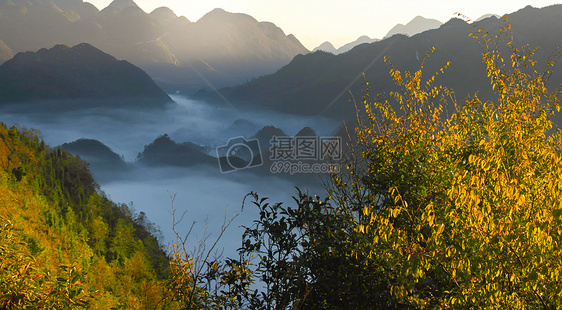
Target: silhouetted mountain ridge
x=92 y=148
x=417 y=25
x=105 y=164
x=316 y=83
x=163 y=151
x=227 y=48
x=80 y=72
x=328 y=47
x=361 y=40
x=122 y=4
x=163 y=14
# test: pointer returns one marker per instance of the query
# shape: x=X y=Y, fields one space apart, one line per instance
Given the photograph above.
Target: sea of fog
x=203 y=194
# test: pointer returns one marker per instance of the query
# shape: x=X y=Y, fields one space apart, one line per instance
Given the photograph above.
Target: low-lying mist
x=127 y=130
x=205 y=196
x=201 y=191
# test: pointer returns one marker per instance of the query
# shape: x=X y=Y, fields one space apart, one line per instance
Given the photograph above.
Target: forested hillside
x=63 y=244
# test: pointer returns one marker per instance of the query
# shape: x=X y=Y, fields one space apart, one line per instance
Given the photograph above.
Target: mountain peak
x=326 y=47
x=217 y=11
x=220 y=15
x=417 y=19
x=56 y=48
x=486 y=16
x=454 y=22
x=417 y=25
x=80 y=72
x=122 y=4
x=428 y=22
x=83 y=46
x=63 y=54
x=163 y=14
x=214 y=14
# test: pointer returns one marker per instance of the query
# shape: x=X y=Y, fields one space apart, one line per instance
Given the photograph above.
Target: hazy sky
x=316 y=21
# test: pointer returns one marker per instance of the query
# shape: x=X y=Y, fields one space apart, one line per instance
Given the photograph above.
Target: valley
x=132 y=139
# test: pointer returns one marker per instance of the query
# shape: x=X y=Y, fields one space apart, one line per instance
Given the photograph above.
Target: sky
x=340 y=22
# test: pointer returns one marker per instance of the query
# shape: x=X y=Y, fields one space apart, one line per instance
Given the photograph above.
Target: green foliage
x=305 y=260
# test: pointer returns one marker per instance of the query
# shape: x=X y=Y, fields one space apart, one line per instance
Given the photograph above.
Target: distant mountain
x=94 y=150
x=33 y=24
x=165 y=152
x=359 y=41
x=241 y=127
x=78 y=9
x=306 y=132
x=164 y=15
x=122 y=4
x=265 y=134
x=488 y=16
x=316 y=84
x=80 y=72
x=231 y=48
x=417 y=25
x=224 y=47
x=285 y=167
x=105 y=164
x=328 y=47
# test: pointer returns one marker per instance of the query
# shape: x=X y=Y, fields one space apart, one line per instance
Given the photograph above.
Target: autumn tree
x=463 y=211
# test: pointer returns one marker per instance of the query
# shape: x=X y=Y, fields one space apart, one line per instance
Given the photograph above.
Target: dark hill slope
x=417 y=25
x=80 y=72
x=105 y=164
x=310 y=83
x=226 y=48
x=163 y=151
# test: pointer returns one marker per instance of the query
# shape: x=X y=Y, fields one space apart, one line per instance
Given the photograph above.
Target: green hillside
x=63 y=244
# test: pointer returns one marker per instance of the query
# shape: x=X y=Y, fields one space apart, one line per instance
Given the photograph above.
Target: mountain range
x=107 y=166
x=320 y=82
x=79 y=72
x=417 y=25
x=328 y=47
x=224 y=47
